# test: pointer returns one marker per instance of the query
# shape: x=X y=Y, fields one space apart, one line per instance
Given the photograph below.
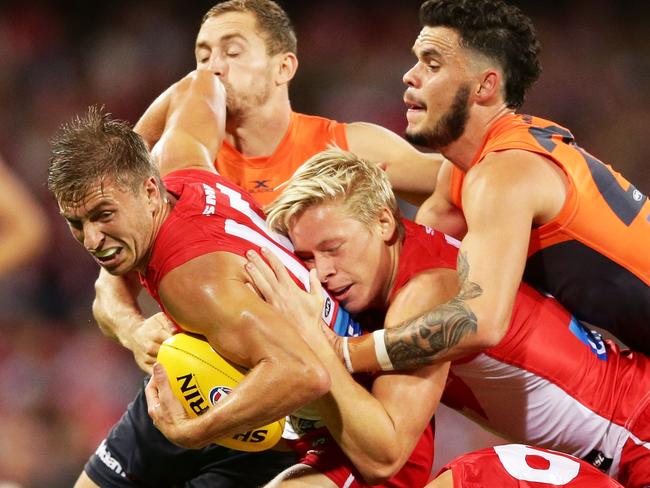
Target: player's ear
x=488 y=85
x=152 y=191
x=286 y=69
x=387 y=224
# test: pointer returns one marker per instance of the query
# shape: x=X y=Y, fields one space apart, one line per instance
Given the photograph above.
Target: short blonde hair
x=331 y=175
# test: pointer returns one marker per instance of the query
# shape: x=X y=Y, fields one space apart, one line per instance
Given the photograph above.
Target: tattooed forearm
x=420 y=341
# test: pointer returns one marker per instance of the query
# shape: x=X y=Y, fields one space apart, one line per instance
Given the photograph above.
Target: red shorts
x=634 y=468
x=320 y=451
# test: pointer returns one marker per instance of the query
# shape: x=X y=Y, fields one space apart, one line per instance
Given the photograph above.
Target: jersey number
x=626 y=204
x=560 y=469
x=264 y=237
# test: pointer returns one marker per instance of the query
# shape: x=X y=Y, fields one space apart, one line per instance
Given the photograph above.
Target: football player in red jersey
x=107 y=185
x=548 y=382
x=251 y=46
x=186 y=237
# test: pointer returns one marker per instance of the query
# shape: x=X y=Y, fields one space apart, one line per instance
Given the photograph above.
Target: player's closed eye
x=105 y=216
x=334 y=249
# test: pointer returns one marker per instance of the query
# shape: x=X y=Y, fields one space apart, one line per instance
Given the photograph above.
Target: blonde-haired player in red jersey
x=549 y=381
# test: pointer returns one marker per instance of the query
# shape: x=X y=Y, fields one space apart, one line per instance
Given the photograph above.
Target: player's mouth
x=107 y=257
x=341 y=293
x=413 y=105
x=414 y=108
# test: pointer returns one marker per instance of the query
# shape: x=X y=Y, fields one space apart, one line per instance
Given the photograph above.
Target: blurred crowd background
x=62 y=384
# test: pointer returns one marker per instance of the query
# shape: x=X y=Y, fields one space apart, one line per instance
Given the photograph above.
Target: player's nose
x=410 y=78
x=93 y=237
x=218 y=65
x=324 y=268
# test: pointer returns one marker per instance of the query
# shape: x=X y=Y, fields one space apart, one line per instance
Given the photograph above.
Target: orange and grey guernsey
x=262 y=177
x=594 y=257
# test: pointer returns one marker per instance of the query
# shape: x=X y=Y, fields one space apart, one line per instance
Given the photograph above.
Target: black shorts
x=135 y=453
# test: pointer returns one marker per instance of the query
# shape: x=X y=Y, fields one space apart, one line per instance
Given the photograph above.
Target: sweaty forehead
x=97 y=195
x=437 y=40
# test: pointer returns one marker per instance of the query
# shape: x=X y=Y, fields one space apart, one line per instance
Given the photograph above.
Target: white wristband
x=381 y=352
x=346 y=356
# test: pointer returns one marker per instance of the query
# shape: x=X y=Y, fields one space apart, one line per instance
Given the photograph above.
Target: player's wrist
x=345 y=354
x=368 y=353
x=381 y=352
x=126 y=332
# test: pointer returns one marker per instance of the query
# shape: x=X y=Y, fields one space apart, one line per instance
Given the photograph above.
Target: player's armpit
x=209 y=295
x=438 y=212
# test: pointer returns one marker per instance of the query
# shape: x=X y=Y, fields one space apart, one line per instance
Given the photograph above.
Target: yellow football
x=200 y=377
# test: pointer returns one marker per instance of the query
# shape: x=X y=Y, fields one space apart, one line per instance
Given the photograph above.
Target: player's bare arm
x=379 y=441
x=283 y=375
x=412 y=173
x=151 y=124
x=119 y=317
x=421 y=389
x=490 y=265
x=195 y=124
x=438 y=212
x=22 y=223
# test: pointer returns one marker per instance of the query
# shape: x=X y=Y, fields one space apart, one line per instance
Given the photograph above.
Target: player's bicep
x=210 y=296
x=492 y=256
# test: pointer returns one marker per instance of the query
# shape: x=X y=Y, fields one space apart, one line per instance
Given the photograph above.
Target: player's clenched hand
x=145 y=340
x=282 y=292
x=167 y=412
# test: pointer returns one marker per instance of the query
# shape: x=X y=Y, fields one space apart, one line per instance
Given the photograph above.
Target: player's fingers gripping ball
x=200 y=377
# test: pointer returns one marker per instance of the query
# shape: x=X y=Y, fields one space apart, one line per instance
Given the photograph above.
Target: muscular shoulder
x=195 y=290
x=517 y=177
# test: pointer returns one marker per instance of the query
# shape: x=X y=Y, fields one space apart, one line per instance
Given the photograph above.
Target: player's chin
x=354 y=303
x=415 y=118
x=118 y=269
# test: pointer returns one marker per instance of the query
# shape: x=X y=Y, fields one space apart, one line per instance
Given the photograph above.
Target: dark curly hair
x=499 y=31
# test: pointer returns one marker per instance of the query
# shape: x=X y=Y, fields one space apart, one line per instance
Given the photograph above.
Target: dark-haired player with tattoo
x=524 y=198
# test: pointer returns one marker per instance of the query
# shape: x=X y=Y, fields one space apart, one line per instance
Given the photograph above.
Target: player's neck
x=464 y=150
x=160 y=216
x=259 y=132
x=394 y=251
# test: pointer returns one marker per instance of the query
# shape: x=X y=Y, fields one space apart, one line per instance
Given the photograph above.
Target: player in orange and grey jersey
x=588 y=256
